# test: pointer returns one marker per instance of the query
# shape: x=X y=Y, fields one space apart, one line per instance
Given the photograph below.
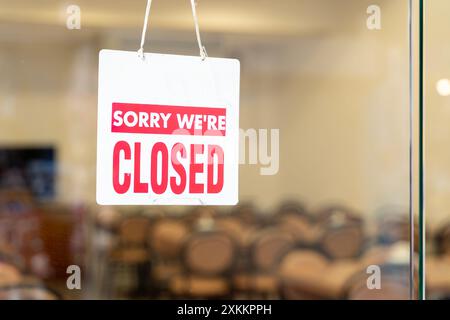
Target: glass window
x=436 y=135
x=324 y=178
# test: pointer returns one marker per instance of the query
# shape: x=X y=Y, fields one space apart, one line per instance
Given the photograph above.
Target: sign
x=168 y=130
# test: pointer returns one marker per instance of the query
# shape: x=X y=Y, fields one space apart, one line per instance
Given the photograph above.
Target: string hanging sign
x=168 y=127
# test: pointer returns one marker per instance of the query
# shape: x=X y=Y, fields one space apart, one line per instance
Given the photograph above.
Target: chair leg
x=108 y=280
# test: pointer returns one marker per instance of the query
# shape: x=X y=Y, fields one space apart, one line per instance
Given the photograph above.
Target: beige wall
x=340 y=100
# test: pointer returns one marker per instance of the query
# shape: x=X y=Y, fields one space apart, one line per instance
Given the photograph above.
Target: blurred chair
x=10 y=256
x=342 y=234
x=395 y=284
x=343 y=241
x=235 y=227
x=300 y=227
x=19 y=223
x=293 y=217
x=208 y=259
x=166 y=240
x=336 y=214
x=307 y=274
x=240 y=230
x=103 y=238
x=15 y=286
x=9 y=274
x=28 y=292
x=297 y=272
x=438 y=277
x=246 y=212
x=196 y=214
x=267 y=248
x=107 y=218
x=438 y=266
x=130 y=252
x=395 y=227
x=293 y=207
x=442 y=240
x=376 y=255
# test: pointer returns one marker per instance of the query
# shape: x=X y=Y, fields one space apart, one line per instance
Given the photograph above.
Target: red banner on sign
x=160 y=119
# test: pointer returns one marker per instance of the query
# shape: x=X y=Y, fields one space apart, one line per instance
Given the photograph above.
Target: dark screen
x=32 y=169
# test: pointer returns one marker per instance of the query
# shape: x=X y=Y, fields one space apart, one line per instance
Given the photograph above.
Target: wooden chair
x=297 y=273
x=342 y=234
x=107 y=218
x=10 y=256
x=246 y=212
x=395 y=227
x=442 y=240
x=343 y=241
x=438 y=277
x=20 y=222
x=197 y=214
x=300 y=227
x=130 y=252
x=28 y=292
x=208 y=258
x=166 y=240
x=9 y=274
x=103 y=238
x=293 y=207
x=235 y=227
x=336 y=215
x=267 y=248
x=307 y=274
x=395 y=284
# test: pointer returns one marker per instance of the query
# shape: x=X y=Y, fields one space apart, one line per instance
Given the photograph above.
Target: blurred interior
x=437 y=135
x=339 y=95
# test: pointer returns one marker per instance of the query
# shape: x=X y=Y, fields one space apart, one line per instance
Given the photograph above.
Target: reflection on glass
x=324 y=183
x=437 y=166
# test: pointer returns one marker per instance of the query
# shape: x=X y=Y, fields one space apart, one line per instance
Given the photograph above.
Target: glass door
x=436 y=93
x=325 y=163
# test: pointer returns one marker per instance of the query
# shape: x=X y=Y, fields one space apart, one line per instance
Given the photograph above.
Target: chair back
x=343 y=242
x=167 y=238
x=268 y=247
x=133 y=230
x=209 y=253
x=28 y=292
x=394 y=285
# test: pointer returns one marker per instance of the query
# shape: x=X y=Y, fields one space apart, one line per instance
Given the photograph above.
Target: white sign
x=168 y=130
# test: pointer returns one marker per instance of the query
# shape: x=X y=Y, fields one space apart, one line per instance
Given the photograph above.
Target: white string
x=144 y=29
x=203 y=53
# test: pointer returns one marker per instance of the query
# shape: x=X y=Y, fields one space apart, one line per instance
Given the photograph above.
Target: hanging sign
x=168 y=129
